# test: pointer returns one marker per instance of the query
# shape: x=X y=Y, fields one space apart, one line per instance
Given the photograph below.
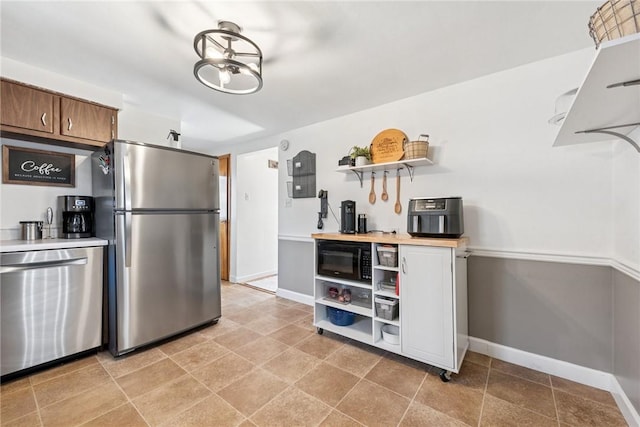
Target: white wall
x=256 y=218
x=137 y=125
x=30 y=202
x=492 y=145
x=626 y=203
x=48 y=80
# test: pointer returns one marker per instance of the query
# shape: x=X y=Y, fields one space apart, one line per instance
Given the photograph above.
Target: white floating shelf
x=599 y=108
x=388 y=166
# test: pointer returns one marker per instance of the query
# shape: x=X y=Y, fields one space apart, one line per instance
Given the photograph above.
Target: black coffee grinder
x=77 y=216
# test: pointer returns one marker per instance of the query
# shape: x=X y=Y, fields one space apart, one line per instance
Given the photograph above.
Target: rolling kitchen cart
x=414 y=305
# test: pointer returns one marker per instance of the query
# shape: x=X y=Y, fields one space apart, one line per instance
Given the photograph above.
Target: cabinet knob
x=43 y=119
x=70 y=124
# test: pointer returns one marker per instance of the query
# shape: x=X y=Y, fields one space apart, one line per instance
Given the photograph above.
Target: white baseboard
x=625 y=405
x=295 y=296
x=562 y=369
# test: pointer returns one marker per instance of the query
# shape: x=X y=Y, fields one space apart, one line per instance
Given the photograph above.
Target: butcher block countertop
x=394 y=239
x=43 y=244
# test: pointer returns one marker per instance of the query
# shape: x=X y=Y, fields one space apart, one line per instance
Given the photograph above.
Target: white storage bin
x=391 y=334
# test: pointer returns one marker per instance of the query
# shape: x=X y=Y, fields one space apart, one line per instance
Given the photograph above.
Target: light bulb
x=225 y=77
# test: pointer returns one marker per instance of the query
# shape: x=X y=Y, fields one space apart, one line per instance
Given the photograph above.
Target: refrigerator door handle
x=126 y=178
x=127 y=239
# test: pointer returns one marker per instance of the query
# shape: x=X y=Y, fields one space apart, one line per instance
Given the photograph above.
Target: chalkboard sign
x=37 y=167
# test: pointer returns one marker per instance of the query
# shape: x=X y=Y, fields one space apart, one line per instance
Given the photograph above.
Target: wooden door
x=86 y=120
x=27 y=108
x=225 y=198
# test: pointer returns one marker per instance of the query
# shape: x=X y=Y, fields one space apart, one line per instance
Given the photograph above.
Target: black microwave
x=344 y=260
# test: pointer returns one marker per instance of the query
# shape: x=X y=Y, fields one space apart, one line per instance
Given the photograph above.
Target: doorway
x=256 y=219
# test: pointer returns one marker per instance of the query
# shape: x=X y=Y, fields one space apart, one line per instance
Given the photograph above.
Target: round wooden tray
x=388 y=146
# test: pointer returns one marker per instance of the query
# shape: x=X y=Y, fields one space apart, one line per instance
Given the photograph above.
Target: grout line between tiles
x=555 y=404
x=424 y=378
x=484 y=392
x=347 y=393
x=196 y=402
x=134 y=355
x=129 y=400
x=93 y=386
x=33 y=393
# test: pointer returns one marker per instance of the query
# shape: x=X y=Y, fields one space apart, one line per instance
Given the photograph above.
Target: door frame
x=225 y=164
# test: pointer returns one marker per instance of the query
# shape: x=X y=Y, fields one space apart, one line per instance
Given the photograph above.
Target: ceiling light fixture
x=229 y=62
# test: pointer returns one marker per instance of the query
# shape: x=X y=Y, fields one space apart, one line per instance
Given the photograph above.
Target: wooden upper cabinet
x=85 y=120
x=40 y=115
x=27 y=108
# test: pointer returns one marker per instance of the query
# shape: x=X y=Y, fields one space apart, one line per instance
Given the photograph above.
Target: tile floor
x=264 y=365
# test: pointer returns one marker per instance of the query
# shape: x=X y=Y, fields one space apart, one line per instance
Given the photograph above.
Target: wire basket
x=615 y=19
x=417 y=149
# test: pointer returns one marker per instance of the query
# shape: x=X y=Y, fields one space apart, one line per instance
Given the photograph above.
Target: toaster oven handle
x=441 y=223
x=416 y=223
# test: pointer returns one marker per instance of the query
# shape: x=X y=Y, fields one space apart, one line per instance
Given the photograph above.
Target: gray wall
x=582 y=314
x=296 y=266
x=563 y=311
x=626 y=335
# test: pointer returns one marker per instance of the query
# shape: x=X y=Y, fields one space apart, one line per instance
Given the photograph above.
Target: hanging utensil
x=385 y=195
x=397 y=207
x=372 y=193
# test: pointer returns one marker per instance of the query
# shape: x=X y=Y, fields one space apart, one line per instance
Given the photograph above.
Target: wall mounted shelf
x=389 y=166
x=608 y=102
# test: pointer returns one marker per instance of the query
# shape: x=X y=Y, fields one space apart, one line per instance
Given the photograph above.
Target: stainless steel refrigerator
x=159 y=209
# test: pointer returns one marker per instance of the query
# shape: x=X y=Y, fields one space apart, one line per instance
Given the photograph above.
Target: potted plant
x=362 y=155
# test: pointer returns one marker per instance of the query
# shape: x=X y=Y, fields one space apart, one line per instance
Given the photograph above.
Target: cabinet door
x=85 y=120
x=27 y=108
x=426 y=305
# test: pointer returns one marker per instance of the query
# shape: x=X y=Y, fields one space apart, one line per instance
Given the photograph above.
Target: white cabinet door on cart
x=427 y=305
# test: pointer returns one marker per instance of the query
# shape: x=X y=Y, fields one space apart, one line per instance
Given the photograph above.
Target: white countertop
x=42 y=244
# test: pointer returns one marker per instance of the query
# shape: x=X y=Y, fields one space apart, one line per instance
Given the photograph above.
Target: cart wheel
x=320 y=331
x=445 y=376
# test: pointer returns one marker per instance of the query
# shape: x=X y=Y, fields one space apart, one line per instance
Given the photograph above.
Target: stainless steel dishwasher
x=51 y=302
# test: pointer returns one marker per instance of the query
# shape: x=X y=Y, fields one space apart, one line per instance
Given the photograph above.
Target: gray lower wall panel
x=296 y=266
x=583 y=314
x=558 y=310
x=626 y=335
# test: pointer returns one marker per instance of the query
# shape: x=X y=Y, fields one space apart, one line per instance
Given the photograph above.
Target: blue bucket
x=340 y=317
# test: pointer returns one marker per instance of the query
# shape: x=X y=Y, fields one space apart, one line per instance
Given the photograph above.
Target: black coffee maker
x=348 y=217
x=77 y=216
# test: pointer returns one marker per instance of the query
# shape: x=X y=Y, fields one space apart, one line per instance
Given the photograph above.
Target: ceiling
x=322 y=59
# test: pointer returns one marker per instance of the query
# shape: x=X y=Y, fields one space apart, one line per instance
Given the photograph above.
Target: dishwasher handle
x=10 y=268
